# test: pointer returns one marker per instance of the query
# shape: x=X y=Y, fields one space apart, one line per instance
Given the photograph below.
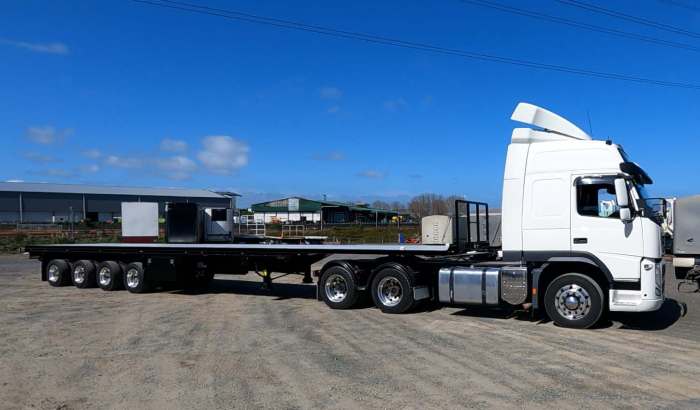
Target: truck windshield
x=653 y=208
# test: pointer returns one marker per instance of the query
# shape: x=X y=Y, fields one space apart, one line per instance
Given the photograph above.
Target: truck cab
x=572 y=204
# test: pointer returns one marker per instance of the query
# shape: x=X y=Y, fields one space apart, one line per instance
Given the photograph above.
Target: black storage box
x=183 y=223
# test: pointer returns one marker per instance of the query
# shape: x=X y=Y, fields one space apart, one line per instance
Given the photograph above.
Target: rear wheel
x=338 y=288
x=392 y=291
x=109 y=276
x=135 y=278
x=574 y=300
x=58 y=272
x=84 y=274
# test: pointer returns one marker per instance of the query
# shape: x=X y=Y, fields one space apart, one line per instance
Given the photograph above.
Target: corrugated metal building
x=23 y=202
x=296 y=209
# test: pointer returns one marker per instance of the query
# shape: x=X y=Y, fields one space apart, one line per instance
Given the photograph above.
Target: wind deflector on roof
x=639 y=175
x=533 y=115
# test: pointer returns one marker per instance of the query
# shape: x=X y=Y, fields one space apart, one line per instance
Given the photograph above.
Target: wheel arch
x=552 y=270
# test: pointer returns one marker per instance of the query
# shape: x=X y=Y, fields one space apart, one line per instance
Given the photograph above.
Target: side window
x=597 y=200
x=218 y=215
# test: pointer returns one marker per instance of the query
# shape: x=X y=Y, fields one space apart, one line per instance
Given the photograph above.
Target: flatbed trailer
x=212 y=258
x=578 y=240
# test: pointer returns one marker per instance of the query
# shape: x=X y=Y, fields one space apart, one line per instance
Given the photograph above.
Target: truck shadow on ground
x=669 y=313
x=280 y=291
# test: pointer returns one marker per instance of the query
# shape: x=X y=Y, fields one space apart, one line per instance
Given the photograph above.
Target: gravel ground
x=237 y=346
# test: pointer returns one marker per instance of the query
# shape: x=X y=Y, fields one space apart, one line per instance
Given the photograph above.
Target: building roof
x=311 y=205
x=108 y=190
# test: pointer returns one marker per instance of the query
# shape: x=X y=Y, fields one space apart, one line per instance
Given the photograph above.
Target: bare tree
x=432 y=204
x=397 y=206
x=381 y=205
x=450 y=203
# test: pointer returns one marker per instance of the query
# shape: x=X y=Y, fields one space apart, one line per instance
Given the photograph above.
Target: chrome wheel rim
x=53 y=273
x=336 y=288
x=572 y=302
x=132 y=278
x=389 y=291
x=105 y=276
x=79 y=274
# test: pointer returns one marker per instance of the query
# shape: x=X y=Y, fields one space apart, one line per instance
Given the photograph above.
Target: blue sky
x=116 y=92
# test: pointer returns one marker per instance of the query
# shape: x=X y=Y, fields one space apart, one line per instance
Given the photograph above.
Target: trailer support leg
x=267 y=280
x=307 y=276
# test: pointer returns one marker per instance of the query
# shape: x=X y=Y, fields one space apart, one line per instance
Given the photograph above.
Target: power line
x=681 y=4
x=370 y=38
x=578 y=24
x=627 y=17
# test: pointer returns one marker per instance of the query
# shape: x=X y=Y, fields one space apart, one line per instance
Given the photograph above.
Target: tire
x=135 y=279
x=110 y=276
x=83 y=274
x=586 y=305
x=392 y=291
x=338 y=288
x=58 y=273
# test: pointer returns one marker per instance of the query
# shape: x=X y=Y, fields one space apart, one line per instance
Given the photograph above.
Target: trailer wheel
x=84 y=274
x=135 y=278
x=392 y=291
x=338 y=289
x=574 y=300
x=58 y=272
x=109 y=276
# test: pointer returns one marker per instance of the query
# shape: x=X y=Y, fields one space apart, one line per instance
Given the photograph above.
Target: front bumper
x=649 y=298
x=633 y=301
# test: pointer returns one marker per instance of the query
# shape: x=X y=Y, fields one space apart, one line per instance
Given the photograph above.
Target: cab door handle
x=580 y=240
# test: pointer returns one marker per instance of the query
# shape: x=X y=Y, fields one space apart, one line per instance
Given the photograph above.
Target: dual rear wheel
x=391 y=289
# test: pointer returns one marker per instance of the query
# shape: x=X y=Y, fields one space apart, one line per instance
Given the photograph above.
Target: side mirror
x=623 y=199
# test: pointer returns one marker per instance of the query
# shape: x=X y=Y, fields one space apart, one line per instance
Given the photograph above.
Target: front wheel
x=574 y=300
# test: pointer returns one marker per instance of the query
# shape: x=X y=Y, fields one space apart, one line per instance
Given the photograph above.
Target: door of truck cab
x=596 y=227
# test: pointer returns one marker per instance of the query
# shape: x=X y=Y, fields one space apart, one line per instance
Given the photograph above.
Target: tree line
x=422 y=205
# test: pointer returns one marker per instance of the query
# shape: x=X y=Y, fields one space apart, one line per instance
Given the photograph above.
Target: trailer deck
x=235 y=249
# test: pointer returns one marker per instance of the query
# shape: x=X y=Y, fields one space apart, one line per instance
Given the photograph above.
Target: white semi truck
x=577 y=240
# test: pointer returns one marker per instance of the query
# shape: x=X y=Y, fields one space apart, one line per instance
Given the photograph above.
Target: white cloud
x=176 y=167
x=90 y=168
x=47 y=134
x=395 y=105
x=49 y=48
x=38 y=157
x=92 y=153
x=330 y=93
x=329 y=156
x=372 y=174
x=57 y=172
x=172 y=145
x=223 y=154
x=123 y=162
x=334 y=109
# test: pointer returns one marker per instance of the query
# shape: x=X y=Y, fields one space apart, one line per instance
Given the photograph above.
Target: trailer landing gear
x=307 y=276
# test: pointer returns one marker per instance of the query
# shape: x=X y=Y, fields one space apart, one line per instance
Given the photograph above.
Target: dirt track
x=237 y=346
